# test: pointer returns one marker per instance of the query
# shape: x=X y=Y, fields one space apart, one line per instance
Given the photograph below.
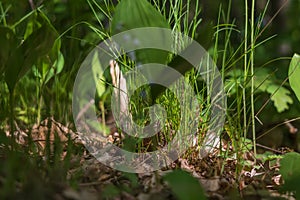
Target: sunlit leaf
x=130 y=14
x=262 y=80
x=56 y=68
x=294 y=75
x=50 y=65
x=59 y=63
x=32 y=25
x=280 y=97
x=98 y=75
x=265 y=82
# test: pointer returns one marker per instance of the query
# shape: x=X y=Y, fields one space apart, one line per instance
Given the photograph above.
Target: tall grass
x=179 y=15
x=184 y=17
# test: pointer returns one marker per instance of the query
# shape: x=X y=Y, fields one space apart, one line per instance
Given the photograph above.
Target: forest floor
x=86 y=178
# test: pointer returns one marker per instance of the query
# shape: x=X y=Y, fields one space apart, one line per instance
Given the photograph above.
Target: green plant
x=18 y=57
x=265 y=82
x=294 y=73
x=243 y=83
x=184 y=186
x=239 y=86
x=145 y=15
x=290 y=171
x=36 y=81
x=31 y=61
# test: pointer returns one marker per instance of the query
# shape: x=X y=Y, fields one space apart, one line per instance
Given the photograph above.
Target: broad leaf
x=9 y=43
x=265 y=82
x=14 y=64
x=290 y=171
x=262 y=80
x=280 y=97
x=184 y=186
x=294 y=75
x=290 y=165
x=36 y=45
x=130 y=14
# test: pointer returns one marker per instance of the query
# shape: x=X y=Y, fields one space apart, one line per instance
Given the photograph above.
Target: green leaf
x=184 y=186
x=280 y=97
x=14 y=63
x=110 y=191
x=32 y=25
x=262 y=80
x=98 y=75
x=56 y=68
x=9 y=43
x=290 y=171
x=294 y=75
x=290 y=165
x=55 y=62
x=279 y=94
x=134 y=181
x=36 y=45
x=130 y=14
x=59 y=63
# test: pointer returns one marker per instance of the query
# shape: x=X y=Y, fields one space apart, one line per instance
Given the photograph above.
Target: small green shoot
x=294 y=74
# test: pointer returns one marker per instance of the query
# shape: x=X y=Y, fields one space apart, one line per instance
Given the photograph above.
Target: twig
x=268 y=148
x=85 y=108
x=283 y=123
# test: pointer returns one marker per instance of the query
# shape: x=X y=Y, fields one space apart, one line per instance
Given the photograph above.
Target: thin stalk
x=227 y=40
x=3 y=13
x=39 y=106
x=25 y=17
x=245 y=70
x=11 y=117
x=215 y=55
x=252 y=77
x=196 y=22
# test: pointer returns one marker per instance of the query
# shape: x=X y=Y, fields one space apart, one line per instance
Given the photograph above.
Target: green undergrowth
x=37 y=77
